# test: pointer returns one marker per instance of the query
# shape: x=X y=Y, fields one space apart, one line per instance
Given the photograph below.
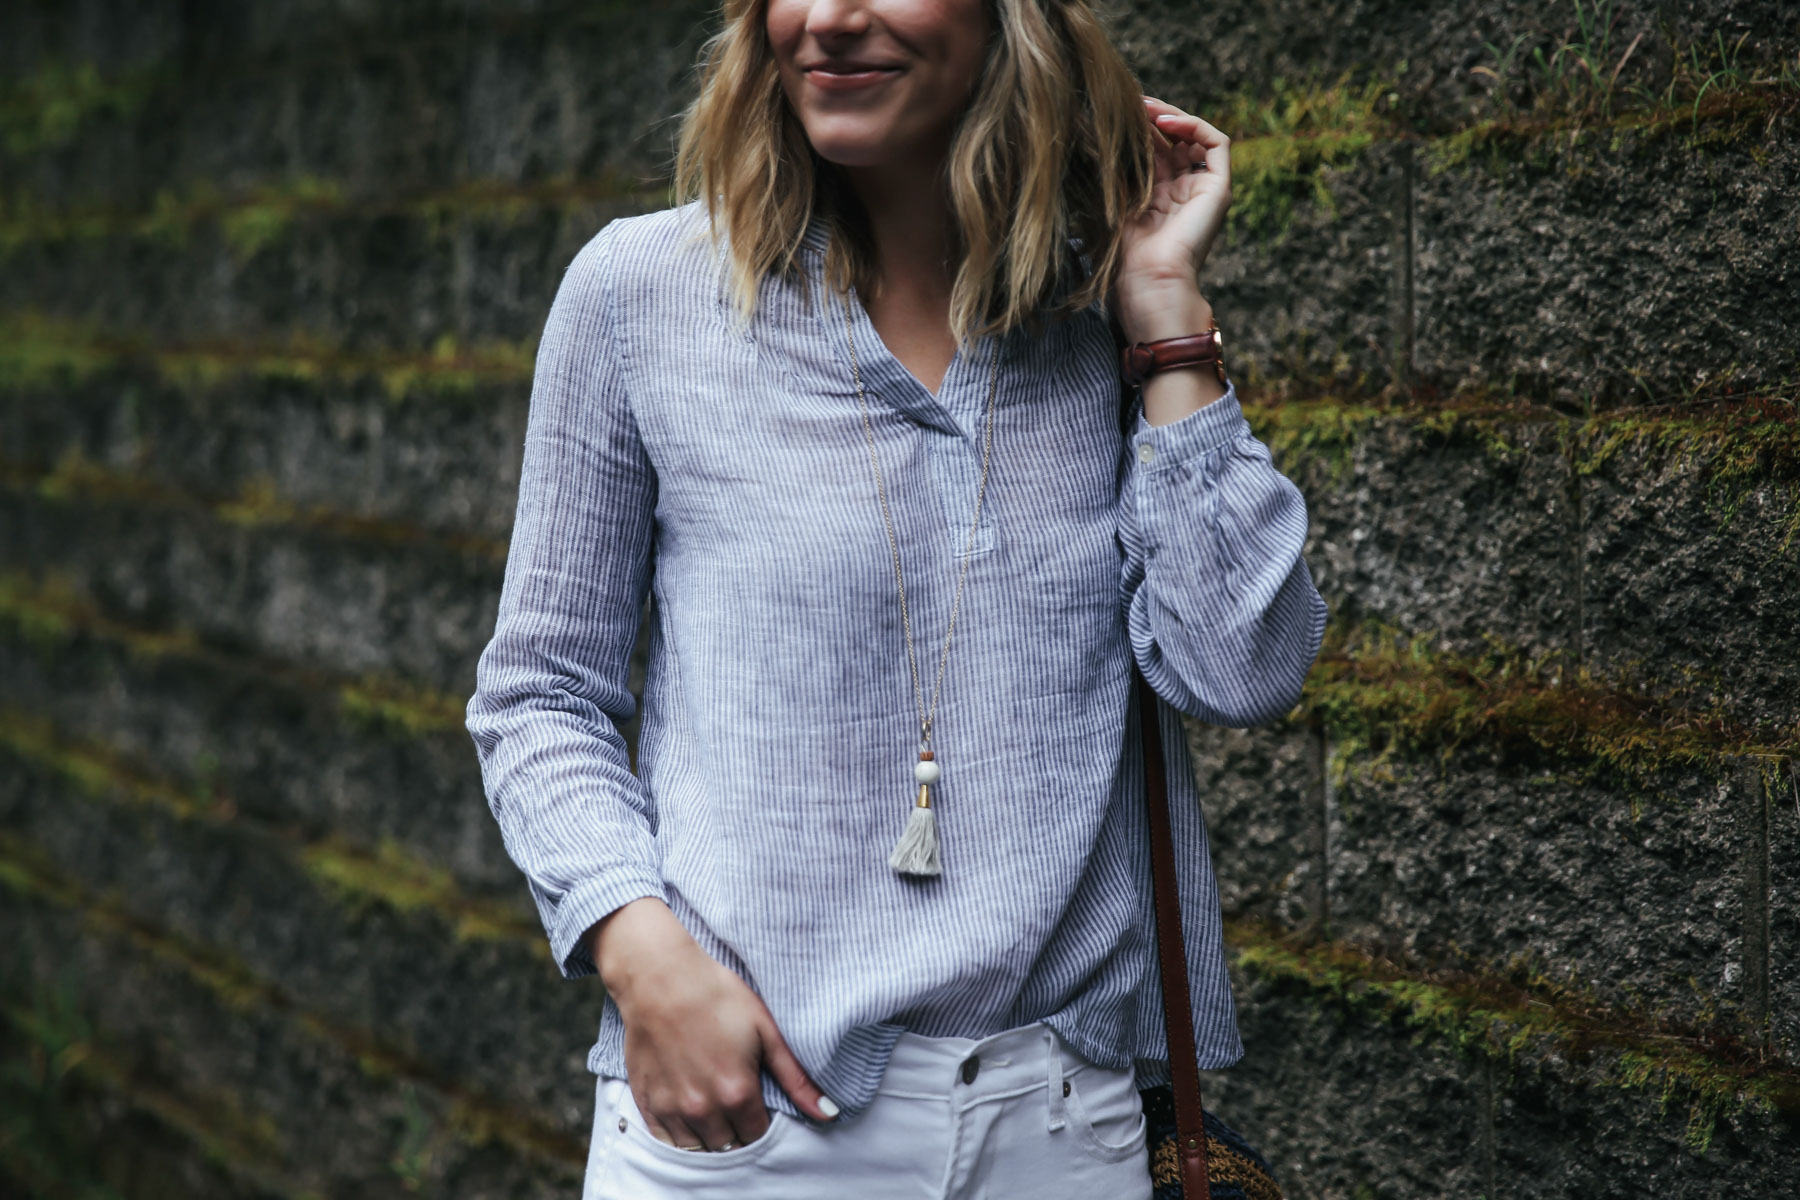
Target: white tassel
x=916 y=853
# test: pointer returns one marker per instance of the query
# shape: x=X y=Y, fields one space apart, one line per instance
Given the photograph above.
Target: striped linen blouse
x=724 y=476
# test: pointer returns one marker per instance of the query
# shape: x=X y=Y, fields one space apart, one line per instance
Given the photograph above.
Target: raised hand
x=1166 y=246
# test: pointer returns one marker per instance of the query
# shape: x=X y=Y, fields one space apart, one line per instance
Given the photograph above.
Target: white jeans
x=1032 y=1120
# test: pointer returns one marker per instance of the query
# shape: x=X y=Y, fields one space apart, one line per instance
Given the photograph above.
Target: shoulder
x=632 y=257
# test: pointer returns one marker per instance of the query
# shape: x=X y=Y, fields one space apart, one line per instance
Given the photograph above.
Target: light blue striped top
x=725 y=475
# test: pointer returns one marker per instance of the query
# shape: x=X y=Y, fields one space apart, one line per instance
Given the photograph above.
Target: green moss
x=1385 y=694
x=49 y=612
x=1537 y=1020
x=1283 y=142
x=1324 y=432
x=32 y=737
x=1735 y=447
x=38 y=351
x=65 y=1048
x=416 y=1150
x=388 y=875
x=394 y=877
x=265 y=216
x=257 y=504
x=48 y=109
x=1584 y=86
x=46 y=1143
x=385 y=705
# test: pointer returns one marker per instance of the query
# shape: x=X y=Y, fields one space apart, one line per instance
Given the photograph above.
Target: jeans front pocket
x=630 y=1126
x=1106 y=1114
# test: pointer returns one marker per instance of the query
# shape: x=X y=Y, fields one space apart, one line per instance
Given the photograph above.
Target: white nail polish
x=828 y=1106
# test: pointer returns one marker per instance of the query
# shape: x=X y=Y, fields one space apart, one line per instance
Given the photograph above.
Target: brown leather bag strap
x=1184 y=1060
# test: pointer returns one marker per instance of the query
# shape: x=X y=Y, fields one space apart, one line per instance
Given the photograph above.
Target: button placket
x=952 y=421
x=957 y=478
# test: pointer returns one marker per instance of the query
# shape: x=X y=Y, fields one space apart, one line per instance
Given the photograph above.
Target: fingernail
x=828 y=1106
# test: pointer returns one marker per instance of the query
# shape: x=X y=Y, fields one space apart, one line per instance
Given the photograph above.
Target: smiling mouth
x=839 y=80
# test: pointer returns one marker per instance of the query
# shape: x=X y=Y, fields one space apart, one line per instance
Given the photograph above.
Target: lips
x=839 y=76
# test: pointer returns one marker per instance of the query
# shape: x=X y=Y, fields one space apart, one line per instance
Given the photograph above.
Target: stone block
x=281 y=748
x=1571 y=273
x=383 y=106
x=1556 y=1134
x=1439 y=533
x=1260 y=793
x=419 y=612
x=446 y=464
x=1341 y=1106
x=493 y=1012
x=1689 y=578
x=1349 y=1103
x=1634 y=897
x=250 y=1075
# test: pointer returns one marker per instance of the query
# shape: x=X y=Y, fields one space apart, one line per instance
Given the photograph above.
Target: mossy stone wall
x=1512 y=896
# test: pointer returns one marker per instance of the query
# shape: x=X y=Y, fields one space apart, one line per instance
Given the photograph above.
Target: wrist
x=631 y=940
x=1175 y=313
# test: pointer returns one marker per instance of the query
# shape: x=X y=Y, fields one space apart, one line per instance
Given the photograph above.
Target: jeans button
x=971 y=1065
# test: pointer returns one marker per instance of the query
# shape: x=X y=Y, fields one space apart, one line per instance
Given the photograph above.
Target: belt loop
x=1054 y=1054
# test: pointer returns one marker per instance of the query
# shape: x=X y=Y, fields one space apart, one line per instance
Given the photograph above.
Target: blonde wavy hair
x=1052 y=145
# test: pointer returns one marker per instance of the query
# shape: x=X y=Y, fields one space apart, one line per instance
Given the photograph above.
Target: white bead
x=927 y=772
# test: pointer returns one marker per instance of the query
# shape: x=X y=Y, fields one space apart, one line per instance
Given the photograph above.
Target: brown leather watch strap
x=1184 y=1060
x=1140 y=360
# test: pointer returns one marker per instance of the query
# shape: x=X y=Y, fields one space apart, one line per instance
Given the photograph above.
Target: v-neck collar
x=960 y=404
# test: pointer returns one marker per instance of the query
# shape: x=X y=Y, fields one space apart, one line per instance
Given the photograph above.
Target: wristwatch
x=1140 y=360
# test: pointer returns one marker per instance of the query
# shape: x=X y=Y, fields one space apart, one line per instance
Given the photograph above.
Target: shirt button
x=1146 y=452
x=971 y=1065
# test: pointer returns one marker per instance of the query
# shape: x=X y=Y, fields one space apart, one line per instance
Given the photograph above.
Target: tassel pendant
x=916 y=853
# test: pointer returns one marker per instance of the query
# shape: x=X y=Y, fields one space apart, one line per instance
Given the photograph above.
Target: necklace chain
x=926 y=715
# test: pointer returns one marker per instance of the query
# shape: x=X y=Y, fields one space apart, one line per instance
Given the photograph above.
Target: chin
x=851 y=151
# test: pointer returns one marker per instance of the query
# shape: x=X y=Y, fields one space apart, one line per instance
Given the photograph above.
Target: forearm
x=1224 y=616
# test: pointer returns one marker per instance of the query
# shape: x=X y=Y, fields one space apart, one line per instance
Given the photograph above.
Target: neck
x=909 y=216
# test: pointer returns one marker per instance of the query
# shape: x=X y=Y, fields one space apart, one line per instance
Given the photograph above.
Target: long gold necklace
x=916 y=853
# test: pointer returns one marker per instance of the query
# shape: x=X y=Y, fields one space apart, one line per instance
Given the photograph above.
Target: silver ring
x=728 y=1146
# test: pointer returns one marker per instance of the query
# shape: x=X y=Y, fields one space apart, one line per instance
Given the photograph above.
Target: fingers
x=713 y=1128
x=742 y=1110
x=672 y=1130
x=792 y=1076
x=711 y=1122
x=1185 y=127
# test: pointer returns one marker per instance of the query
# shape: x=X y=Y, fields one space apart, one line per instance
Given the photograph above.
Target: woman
x=871 y=907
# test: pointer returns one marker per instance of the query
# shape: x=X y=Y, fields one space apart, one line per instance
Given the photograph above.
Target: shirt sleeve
x=1224 y=618
x=551 y=685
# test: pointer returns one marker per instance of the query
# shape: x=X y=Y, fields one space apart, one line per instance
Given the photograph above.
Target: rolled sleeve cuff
x=1158 y=447
x=587 y=904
